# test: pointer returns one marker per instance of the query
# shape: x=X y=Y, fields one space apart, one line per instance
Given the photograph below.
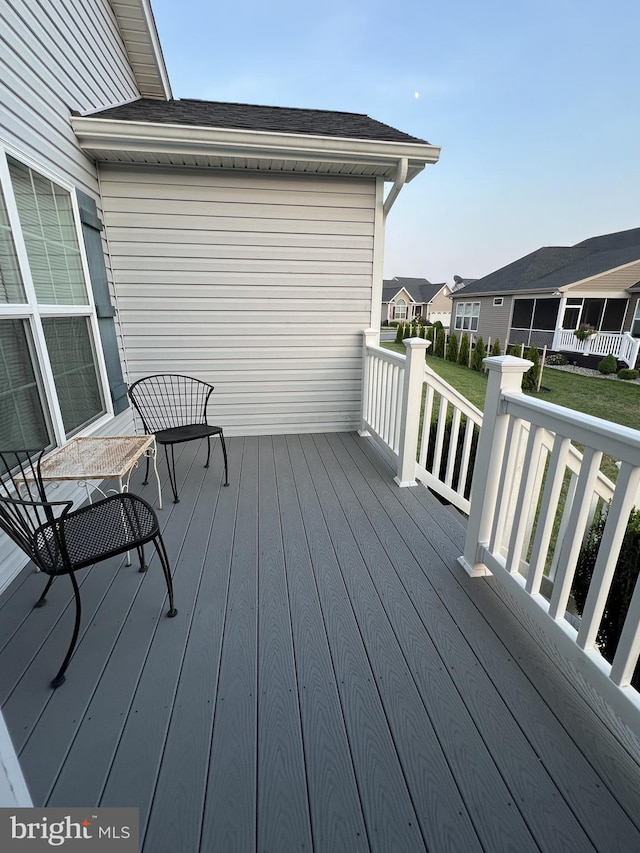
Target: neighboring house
x=409 y=298
x=542 y=298
x=140 y=234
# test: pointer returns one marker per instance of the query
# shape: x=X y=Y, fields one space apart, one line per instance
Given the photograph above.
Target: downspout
x=394 y=192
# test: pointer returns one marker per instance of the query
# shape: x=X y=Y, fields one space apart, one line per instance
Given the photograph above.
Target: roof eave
x=109 y=140
x=141 y=41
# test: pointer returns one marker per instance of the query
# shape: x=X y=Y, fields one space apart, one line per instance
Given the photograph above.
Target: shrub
x=627 y=373
x=399 y=333
x=406 y=331
x=624 y=581
x=393 y=323
x=530 y=378
x=495 y=349
x=557 y=358
x=452 y=349
x=608 y=364
x=440 y=342
x=385 y=323
x=423 y=331
x=463 y=350
x=479 y=353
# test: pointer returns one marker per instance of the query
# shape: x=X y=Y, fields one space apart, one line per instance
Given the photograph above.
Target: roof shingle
x=198 y=113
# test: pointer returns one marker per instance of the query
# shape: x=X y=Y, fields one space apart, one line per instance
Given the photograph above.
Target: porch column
x=410 y=414
x=505 y=374
x=370 y=338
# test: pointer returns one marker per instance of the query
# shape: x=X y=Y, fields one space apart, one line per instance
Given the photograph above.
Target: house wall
x=258 y=283
x=493 y=321
x=57 y=57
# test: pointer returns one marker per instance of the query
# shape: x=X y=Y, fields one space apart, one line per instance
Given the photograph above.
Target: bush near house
x=531 y=377
x=452 y=348
x=627 y=373
x=608 y=364
x=479 y=353
x=463 y=350
x=622 y=587
x=399 y=333
x=495 y=349
x=440 y=343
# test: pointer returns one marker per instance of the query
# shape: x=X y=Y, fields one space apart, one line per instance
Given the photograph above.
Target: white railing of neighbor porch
x=533 y=498
x=623 y=346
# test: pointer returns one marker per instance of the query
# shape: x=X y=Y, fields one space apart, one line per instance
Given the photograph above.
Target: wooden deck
x=333 y=680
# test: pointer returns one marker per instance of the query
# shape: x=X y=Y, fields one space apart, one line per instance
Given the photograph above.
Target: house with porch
x=355 y=665
x=545 y=296
x=408 y=299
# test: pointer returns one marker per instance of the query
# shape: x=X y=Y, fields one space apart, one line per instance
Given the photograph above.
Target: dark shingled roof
x=557 y=266
x=197 y=113
x=421 y=290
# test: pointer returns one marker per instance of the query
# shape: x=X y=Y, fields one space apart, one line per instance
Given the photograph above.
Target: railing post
x=370 y=338
x=505 y=374
x=410 y=415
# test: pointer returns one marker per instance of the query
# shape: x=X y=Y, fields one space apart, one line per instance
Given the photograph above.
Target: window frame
x=498 y=301
x=462 y=315
x=32 y=313
x=401 y=303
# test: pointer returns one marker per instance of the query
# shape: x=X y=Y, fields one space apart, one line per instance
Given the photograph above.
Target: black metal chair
x=174 y=409
x=60 y=542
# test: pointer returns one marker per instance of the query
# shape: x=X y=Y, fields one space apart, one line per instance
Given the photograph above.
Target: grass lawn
x=611 y=399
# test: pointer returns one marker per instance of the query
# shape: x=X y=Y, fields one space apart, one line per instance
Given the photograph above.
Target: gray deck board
x=333 y=680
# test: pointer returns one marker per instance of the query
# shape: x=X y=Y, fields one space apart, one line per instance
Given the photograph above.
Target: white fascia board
x=98 y=134
x=131 y=15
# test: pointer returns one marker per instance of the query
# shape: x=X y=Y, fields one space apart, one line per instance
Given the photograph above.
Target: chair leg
x=206 y=464
x=164 y=560
x=143 y=565
x=171 y=465
x=59 y=679
x=43 y=598
x=146 y=473
x=224 y=453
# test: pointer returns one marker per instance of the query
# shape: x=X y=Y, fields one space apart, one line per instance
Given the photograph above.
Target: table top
x=95 y=457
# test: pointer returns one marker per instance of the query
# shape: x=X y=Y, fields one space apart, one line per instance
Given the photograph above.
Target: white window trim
x=32 y=312
x=462 y=314
x=498 y=301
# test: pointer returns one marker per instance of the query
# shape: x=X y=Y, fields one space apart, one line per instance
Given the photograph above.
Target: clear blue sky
x=536 y=104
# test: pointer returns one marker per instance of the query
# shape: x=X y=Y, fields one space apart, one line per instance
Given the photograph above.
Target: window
x=50 y=380
x=497 y=301
x=400 y=310
x=635 y=326
x=467 y=315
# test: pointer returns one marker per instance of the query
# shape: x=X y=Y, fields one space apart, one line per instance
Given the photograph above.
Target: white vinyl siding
x=259 y=284
x=56 y=58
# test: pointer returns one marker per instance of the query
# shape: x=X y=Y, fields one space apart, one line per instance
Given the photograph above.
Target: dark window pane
x=592 y=312
x=74 y=371
x=545 y=315
x=22 y=416
x=571 y=318
x=522 y=313
x=614 y=312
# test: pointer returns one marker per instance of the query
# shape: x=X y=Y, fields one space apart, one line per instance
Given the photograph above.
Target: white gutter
x=394 y=192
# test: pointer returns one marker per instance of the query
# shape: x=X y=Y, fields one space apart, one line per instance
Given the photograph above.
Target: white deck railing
x=623 y=346
x=532 y=501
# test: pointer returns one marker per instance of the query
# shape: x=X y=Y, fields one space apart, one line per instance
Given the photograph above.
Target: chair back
x=26 y=516
x=168 y=400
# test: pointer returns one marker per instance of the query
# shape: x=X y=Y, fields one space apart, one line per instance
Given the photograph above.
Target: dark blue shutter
x=91 y=228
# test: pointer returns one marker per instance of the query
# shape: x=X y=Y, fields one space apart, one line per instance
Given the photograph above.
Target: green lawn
x=614 y=400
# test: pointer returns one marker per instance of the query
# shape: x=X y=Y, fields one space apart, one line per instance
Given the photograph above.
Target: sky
x=535 y=104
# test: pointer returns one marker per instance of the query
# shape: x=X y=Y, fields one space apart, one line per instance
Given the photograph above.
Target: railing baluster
x=577 y=522
x=453 y=447
x=614 y=530
x=530 y=472
x=548 y=509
